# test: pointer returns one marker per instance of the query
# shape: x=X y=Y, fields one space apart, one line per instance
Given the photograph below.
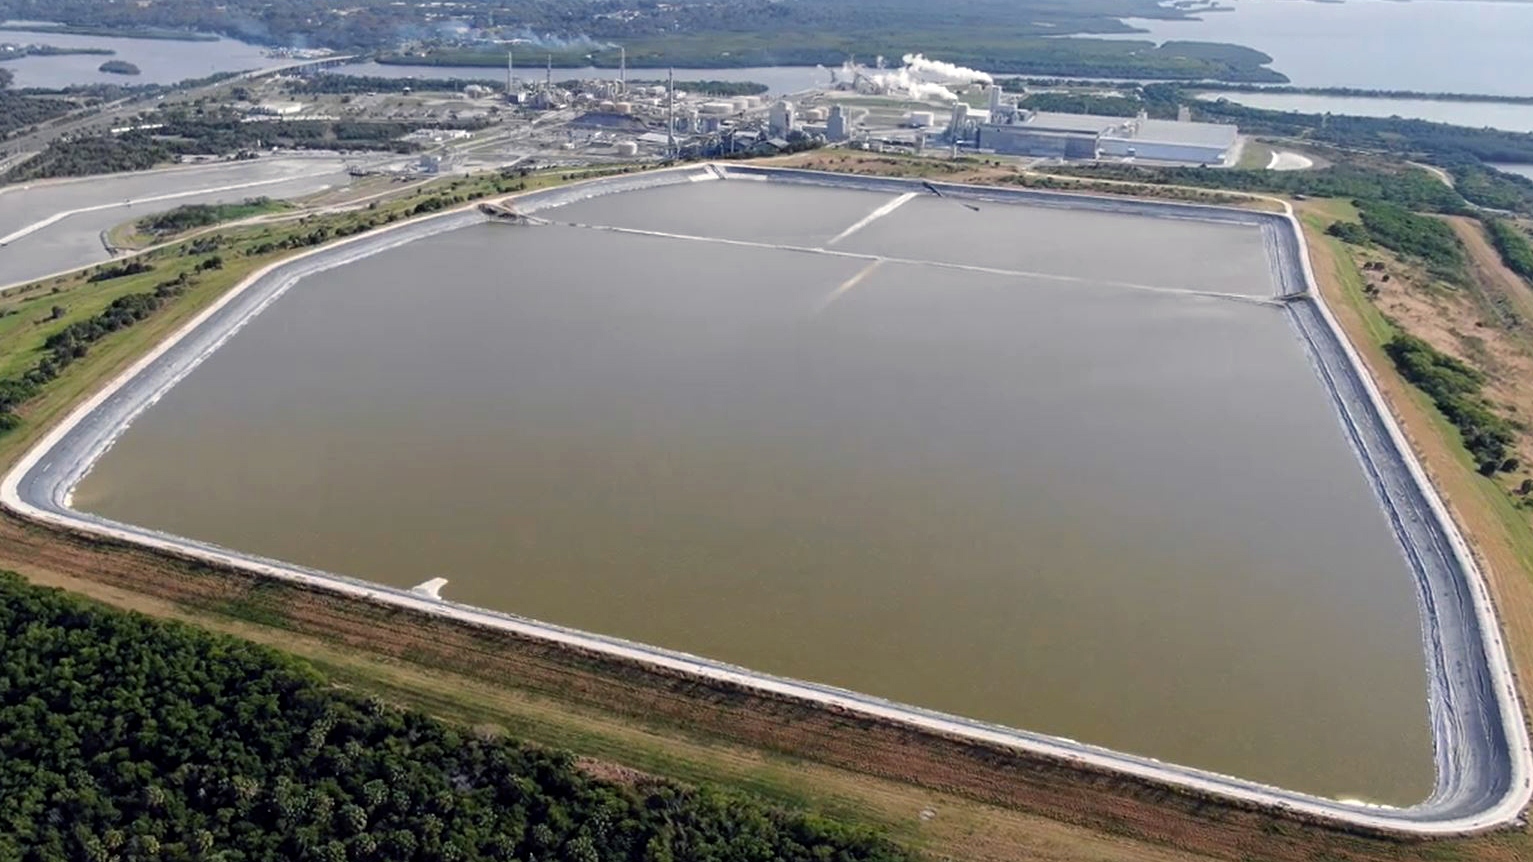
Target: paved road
x=1483 y=757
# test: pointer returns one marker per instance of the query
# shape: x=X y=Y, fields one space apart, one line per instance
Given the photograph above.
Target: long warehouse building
x=1084 y=136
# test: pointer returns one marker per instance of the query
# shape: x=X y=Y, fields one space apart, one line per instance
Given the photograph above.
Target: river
x=1511 y=117
x=160 y=61
x=1061 y=498
x=1435 y=46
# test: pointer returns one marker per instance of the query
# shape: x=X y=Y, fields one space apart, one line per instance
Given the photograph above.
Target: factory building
x=1170 y=141
x=780 y=120
x=835 y=125
x=1010 y=130
x=1082 y=136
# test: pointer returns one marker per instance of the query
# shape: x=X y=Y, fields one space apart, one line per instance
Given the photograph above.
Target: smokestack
x=548 y=82
x=622 y=69
x=670 y=112
x=509 y=70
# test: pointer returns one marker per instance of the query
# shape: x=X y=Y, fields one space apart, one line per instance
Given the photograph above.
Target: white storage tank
x=717 y=108
x=743 y=104
x=816 y=115
x=605 y=107
x=627 y=148
x=922 y=119
x=622 y=107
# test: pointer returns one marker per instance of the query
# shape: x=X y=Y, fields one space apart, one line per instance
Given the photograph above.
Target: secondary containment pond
x=1059 y=468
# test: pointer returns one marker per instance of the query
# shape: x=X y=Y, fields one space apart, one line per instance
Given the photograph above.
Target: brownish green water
x=1108 y=513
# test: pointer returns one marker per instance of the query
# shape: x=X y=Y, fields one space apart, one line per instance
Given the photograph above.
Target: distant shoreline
x=111 y=32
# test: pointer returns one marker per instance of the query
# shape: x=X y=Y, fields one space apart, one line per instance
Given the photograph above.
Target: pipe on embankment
x=1481 y=742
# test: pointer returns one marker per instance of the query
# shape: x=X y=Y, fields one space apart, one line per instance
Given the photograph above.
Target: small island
x=119 y=67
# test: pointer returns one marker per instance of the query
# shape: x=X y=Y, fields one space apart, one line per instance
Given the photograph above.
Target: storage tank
x=922 y=119
x=622 y=107
x=717 y=108
x=742 y=104
x=753 y=101
x=817 y=115
x=627 y=148
x=605 y=107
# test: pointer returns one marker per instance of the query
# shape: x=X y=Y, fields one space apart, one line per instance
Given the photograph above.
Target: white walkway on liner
x=873 y=216
x=939 y=264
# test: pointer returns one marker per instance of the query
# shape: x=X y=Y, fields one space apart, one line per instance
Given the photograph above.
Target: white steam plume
x=919 y=78
x=936 y=71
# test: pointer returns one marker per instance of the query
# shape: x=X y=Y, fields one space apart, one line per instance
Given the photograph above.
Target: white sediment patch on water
x=1481 y=744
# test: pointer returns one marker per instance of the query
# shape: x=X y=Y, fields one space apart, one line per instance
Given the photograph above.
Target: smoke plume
x=920 y=78
x=938 y=72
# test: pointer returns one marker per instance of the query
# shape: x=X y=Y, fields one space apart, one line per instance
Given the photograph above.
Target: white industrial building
x=1083 y=136
x=1013 y=131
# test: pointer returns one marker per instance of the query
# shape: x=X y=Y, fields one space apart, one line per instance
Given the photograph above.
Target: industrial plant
x=924 y=106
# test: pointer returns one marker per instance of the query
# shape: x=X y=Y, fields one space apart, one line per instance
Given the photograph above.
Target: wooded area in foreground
x=129 y=738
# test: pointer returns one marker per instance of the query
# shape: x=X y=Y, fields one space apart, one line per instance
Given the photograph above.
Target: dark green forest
x=18 y=111
x=1002 y=35
x=372 y=24
x=1515 y=249
x=1427 y=239
x=1455 y=388
x=122 y=737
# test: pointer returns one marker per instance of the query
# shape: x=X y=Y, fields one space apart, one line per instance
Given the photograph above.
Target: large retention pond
x=1026 y=468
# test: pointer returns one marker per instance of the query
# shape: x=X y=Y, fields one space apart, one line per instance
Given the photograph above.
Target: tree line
x=1427 y=239
x=74 y=341
x=1456 y=390
x=221 y=134
x=1404 y=186
x=1513 y=245
x=126 y=738
x=189 y=216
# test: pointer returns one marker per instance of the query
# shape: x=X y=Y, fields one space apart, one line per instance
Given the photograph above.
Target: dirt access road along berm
x=1480 y=737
